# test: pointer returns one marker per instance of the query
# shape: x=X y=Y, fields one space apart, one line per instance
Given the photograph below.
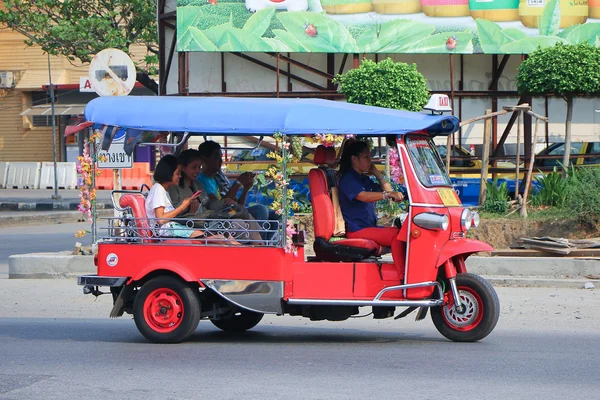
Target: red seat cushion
x=137 y=203
x=361 y=243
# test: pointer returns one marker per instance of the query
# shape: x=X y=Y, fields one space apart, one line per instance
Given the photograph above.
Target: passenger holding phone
x=160 y=209
x=203 y=208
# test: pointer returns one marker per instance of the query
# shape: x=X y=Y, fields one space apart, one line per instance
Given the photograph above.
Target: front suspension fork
x=450 y=271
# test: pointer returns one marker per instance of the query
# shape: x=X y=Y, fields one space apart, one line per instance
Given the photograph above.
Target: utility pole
x=55 y=196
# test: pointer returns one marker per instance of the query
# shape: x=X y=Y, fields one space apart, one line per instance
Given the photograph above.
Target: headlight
x=431 y=221
x=476 y=219
x=466 y=219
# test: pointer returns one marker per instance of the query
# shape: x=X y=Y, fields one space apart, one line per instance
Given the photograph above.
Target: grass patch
x=533 y=214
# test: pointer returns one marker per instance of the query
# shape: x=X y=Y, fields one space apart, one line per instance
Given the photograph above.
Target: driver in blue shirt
x=358 y=195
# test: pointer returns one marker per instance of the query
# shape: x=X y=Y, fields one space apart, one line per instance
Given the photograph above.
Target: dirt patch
x=501 y=233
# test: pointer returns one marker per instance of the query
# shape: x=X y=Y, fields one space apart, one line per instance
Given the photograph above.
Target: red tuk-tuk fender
x=164 y=265
x=461 y=247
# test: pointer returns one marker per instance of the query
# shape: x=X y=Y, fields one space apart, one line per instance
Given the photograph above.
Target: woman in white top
x=160 y=209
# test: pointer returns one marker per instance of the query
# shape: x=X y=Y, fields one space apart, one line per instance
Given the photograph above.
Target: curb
x=540 y=281
x=47 y=206
x=49 y=265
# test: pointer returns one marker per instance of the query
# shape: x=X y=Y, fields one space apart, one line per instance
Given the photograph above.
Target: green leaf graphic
x=393 y=36
x=199 y=41
x=492 y=37
x=215 y=33
x=259 y=22
x=437 y=43
x=513 y=34
x=277 y=45
x=583 y=33
x=530 y=43
x=550 y=21
x=234 y=39
x=289 y=40
x=331 y=36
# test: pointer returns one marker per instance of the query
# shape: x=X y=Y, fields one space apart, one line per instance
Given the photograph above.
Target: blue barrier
x=468 y=188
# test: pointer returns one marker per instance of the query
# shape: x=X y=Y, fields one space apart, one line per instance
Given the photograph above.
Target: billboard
x=385 y=26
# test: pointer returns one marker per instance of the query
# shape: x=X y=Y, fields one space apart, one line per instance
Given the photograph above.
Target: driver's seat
x=327 y=246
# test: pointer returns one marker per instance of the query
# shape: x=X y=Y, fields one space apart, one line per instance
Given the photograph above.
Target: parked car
x=558 y=149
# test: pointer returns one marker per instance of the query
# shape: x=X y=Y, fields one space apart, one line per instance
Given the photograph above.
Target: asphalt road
x=38 y=239
x=56 y=343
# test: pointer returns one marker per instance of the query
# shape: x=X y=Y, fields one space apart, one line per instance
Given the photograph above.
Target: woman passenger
x=358 y=195
x=190 y=163
x=160 y=209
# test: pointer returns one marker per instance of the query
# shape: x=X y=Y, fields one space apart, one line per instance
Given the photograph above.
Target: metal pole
x=449 y=139
x=55 y=196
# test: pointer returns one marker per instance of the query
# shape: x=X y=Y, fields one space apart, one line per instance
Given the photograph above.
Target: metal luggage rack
x=128 y=229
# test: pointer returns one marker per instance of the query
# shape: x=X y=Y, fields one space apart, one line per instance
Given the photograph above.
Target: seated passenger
x=358 y=194
x=160 y=209
x=189 y=163
x=218 y=187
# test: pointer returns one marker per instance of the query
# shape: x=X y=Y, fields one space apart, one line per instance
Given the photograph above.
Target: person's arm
x=385 y=185
x=162 y=216
x=371 y=197
x=176 y=197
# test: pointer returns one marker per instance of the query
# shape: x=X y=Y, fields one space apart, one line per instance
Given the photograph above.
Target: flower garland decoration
x=327 y=139
x=87 y=191
x=281 y=177
x=395 y=169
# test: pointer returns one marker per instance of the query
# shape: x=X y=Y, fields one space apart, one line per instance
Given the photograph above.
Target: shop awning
x=35 y=79
x=59 y=109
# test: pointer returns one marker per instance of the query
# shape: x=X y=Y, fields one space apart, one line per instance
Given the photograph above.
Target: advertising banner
x=385 y=26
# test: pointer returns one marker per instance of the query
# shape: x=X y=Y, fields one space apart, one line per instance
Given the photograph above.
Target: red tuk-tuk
x=170 y=284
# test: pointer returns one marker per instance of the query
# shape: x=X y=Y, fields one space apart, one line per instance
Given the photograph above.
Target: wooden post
x=278 y=74
x=518 y=154
x=523 y=211
x=449 y=139
x=485 y=157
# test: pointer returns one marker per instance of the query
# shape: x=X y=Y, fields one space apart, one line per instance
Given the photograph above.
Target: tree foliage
x=385 y=84
x=565 y=70
x=79 y=29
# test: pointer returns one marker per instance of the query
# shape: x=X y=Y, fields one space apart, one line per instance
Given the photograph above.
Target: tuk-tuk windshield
x=427 y=162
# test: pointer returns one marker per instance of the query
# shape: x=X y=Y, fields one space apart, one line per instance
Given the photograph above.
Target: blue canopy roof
x=260 y=116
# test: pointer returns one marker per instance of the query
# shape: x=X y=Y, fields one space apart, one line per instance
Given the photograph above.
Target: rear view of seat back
x=137 y=203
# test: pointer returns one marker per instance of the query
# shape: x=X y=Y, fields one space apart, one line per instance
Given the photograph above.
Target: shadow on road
x=125 y=331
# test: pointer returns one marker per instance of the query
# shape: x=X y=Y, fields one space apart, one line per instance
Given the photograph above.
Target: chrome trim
x=458 y=306
x=259 y=296
x=377 y=302
x=95 y=280
x=411 y=286
x=363 y=303
x=430 y=220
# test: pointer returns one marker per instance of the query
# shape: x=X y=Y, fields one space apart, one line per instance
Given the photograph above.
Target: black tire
x=242 y=321
x=481 y=314
x=166 y=310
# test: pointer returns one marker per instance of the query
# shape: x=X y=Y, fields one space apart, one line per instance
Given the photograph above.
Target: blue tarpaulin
x=262 y=116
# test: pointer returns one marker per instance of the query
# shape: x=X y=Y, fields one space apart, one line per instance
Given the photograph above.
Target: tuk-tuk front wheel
x=478 y=316
x=166 y=310
x=242 y=321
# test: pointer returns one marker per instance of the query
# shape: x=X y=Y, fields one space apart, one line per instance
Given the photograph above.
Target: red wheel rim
x=163 y=310
x=473 y=310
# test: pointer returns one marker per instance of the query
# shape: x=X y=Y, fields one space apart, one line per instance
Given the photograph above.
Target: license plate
x=448 y=197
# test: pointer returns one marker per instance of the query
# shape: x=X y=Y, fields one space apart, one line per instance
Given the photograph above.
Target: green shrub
x=385 y=84
x=583 y=195
x=553 y=189
x=496 y=200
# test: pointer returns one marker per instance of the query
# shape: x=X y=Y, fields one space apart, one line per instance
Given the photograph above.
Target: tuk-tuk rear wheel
x=166 y=310
x=481 y=310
